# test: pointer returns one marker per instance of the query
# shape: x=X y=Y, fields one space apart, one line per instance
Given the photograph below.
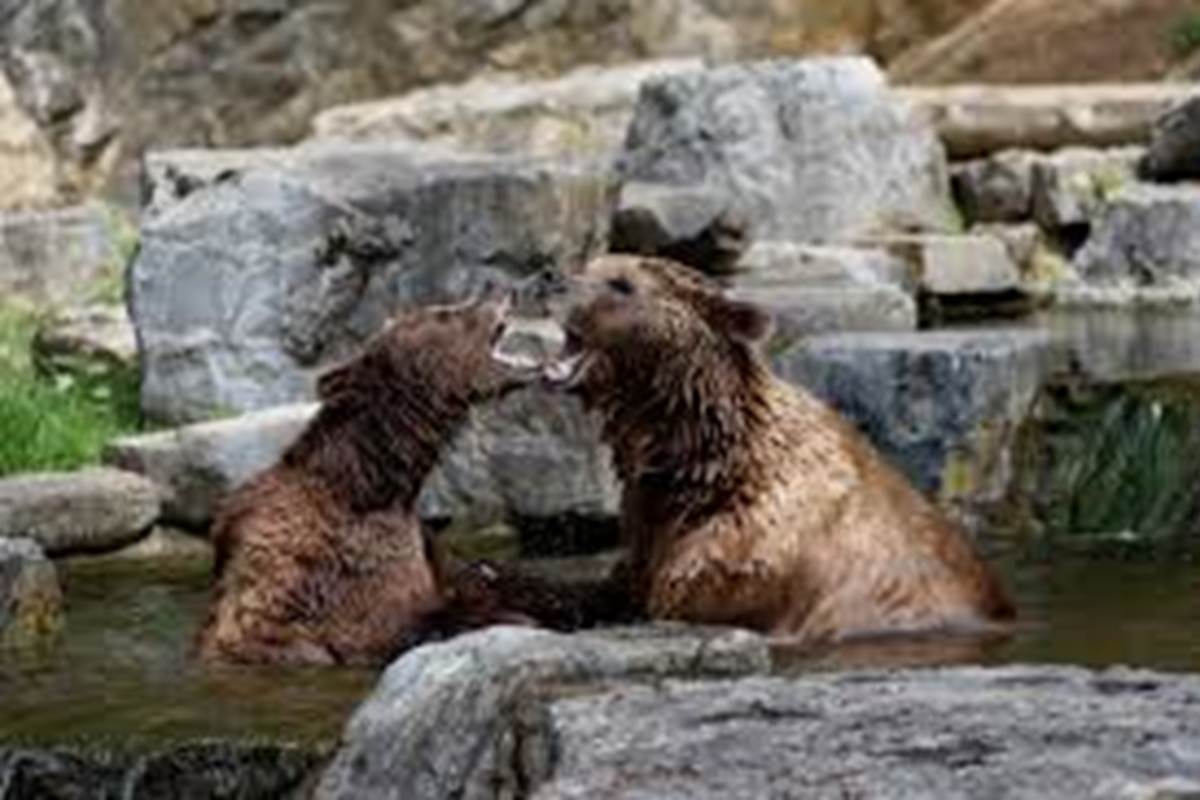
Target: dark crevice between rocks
x=935 y=311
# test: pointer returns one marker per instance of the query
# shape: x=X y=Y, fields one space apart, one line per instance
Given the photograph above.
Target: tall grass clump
x=59 y=421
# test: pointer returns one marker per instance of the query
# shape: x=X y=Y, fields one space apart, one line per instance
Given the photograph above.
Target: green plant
x=61 y=421
x=1185 y=33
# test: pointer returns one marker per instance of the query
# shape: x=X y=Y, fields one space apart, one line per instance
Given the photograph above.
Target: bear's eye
x=620 y=285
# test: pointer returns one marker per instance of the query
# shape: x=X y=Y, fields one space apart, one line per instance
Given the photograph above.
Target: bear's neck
x=375 y=451
x=684 y=434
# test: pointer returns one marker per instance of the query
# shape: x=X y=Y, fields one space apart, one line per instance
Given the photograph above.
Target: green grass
x=60 y=421
x=1185 y=34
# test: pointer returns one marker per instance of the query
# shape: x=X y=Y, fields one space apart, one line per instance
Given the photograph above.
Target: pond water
x=1102 y=573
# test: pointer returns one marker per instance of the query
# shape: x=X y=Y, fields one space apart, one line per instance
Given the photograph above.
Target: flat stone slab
x=813 y=289
x=675 y=712
x=196 y=464
x=1018 y=732
x=584 y=112
x=954 y=265
x=60 y=256
x=976 y=120
x=93 y=510
x=533 y=455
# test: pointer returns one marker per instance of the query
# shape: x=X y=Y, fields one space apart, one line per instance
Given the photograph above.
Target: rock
x=943 y=406
x=440 y=723
x=804 y=151
x=978 y=120
x=811 y=289
x=27 y=177
x=330 y=239
x=108 y=81
x=1061 y=189
x=89 y=339
x=697 y=228
x=954 y=265
x=532 y=455
x=197 y=464
x=60 y=257
x=998 y=188
x=582 y=113
x=1071 y=186
x=692 y=713
x=1014 y=732
x=93 y=510
x=1174 y=151
x=30 y=598
x=189 y=770
x=1147 y=237
x=1039 y=259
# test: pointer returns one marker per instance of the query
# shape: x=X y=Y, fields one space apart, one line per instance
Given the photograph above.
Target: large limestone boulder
x=30 y=597
x=582 y=113
x=257 y=269
x=678 y=714
x=803 y=151
x=93 y=510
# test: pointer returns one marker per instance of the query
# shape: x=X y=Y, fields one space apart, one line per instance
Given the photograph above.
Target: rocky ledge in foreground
x=192 y=770
x=679 y=713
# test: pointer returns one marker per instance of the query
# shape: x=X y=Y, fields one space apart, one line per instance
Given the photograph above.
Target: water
x=1099 y=547
x=122 y=670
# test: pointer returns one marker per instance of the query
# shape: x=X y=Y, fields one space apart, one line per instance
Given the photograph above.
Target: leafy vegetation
x=60 y=421
x=1185 y=33
x=1115 y=460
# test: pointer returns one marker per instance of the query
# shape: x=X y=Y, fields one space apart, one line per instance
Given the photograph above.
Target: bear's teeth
x=565 y=371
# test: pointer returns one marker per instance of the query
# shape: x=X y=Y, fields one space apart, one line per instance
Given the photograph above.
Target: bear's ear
x=744 y=321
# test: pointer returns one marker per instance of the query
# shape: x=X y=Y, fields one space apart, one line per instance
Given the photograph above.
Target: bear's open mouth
x=525 y=344
x=566 y=371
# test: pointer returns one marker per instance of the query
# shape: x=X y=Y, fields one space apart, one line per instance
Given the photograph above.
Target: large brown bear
x=747 y=501
x=321 y=558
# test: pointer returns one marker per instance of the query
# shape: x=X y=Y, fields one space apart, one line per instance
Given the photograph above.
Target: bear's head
x=435 y=355
x=642 y=326
x=387 y=414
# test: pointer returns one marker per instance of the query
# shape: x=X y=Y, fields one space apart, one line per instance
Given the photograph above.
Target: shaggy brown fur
x=321 y=558
x=746 y=501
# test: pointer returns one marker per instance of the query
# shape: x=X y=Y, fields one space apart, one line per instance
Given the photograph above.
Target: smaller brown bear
x=321 y=559
x=746 y=501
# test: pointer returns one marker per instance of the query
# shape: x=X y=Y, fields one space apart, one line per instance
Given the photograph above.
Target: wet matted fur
x=745 y=500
